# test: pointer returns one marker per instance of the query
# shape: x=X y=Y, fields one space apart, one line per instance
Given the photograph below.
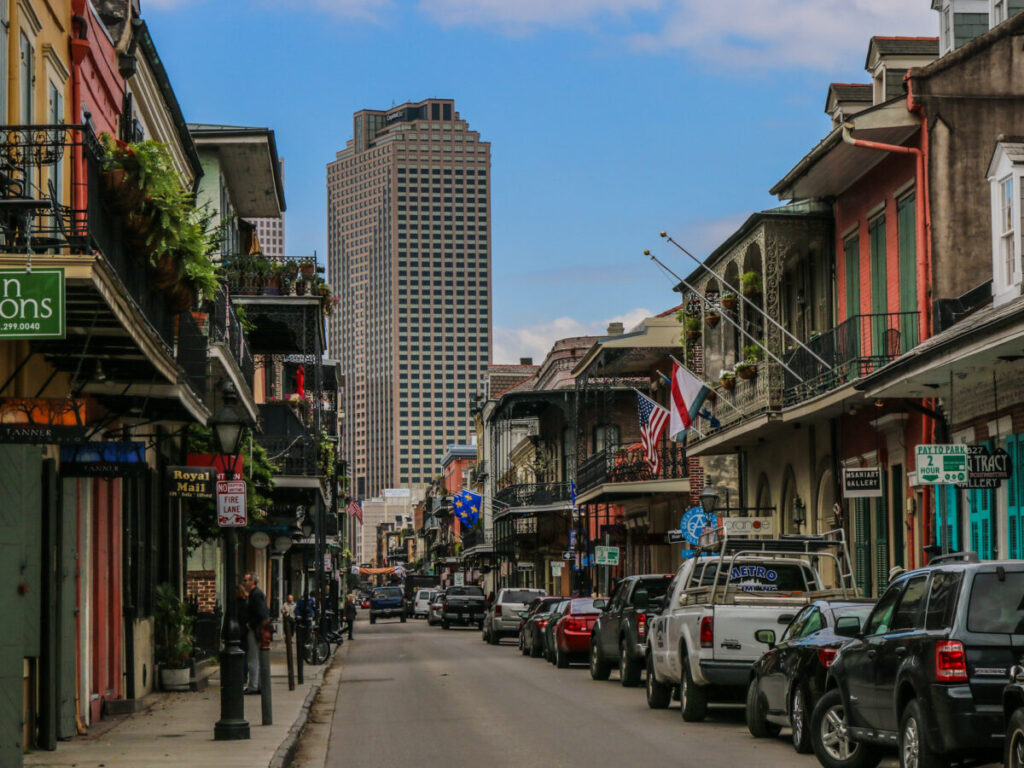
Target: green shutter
x=851 y=251
x=882 y=539
x=907 y=223
x=862 y=545
x=879 y=289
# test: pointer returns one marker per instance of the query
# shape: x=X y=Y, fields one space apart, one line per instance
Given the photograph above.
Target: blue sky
x=609 y=119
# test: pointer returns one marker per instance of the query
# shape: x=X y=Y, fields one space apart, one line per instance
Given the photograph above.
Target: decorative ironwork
x=628 y=464
x=191 y=352
x=34 y=145
x=533 y=494
x=473 y=537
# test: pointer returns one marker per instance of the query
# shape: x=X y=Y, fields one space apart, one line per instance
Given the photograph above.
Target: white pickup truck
x=703 y=642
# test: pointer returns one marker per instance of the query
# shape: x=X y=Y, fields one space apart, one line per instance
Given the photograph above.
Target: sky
x=609 y=120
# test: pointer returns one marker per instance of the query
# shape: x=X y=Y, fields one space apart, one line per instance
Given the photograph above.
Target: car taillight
x=541 y=623
x=446 y=605
x=950 y=662
x=641 y=624
x=707 y=632
x=575 y=625
x=497 y=610
x=826 y=656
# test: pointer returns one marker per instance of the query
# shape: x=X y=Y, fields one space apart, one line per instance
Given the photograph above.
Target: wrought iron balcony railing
x=533 y=494
x=474 y=537
x=259 y=275
x=288 y=442
x=628 y=464
x=856 y=347
x=190 y=352
x=226 y=328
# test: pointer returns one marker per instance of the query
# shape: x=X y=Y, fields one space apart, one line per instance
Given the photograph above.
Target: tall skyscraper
x=270 y=231
x=409 y=256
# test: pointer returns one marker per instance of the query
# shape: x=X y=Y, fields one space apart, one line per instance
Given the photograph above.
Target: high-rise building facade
x=409 y=256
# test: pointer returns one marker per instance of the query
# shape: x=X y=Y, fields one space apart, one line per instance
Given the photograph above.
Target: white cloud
x=535 y=341
x=367 y=10
x=772 y=34
x=520 y=15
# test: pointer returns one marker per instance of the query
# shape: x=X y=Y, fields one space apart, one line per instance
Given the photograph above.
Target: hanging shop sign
x=862 y=483
x=748 y=526
x=191 y=482
x=986 y=469
x=556 y=568
x=675 y=537
x=694 y=522
x=941 y=464
x=42 y=421
x=259 y=540
x=221 y=463
x=32 y=304
x=231 y=511
x=103 y=459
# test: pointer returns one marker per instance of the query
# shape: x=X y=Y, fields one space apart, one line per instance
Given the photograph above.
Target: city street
x=417 y=695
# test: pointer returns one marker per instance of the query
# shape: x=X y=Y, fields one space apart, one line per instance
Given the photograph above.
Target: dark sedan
x=531 y=641
x=789 y=678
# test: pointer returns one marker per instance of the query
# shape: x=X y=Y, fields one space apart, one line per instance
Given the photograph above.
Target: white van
x=421 y=606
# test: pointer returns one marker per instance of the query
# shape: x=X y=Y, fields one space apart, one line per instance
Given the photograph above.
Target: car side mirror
x=523 y=614
x=766 y=636
x=848 y=626
x=641 y=601
x=602 y=604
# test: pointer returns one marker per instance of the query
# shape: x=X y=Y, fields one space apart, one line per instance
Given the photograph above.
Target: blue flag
x=474 y=506
x=461 y=508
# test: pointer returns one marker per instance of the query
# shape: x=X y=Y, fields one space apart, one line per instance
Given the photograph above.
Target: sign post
x=942 y=464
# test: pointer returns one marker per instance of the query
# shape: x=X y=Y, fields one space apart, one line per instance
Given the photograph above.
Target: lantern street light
x=228 y=427
x=709 y=499
x=799 y=513
x=307 y=526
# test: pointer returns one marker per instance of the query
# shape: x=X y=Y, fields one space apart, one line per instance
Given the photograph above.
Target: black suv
x=925 y=674
x=620 y=632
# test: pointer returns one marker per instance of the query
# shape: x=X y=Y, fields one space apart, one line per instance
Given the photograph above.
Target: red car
x=365 y=603
x=572 y=632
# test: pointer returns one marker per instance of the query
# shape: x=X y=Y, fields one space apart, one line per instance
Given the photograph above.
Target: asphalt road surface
x=418 y=696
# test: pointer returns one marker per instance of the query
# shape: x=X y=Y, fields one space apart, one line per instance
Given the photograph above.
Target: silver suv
x=502 y=619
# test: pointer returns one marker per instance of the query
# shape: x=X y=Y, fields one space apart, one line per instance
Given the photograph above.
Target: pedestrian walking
x=350 y=612
x=288 y=614
x=257 y=613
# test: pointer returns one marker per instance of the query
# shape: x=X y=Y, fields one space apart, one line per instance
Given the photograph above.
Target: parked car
x=703 y=642
x=531 y=639
x=387 y=602
x=365 y=603
x=463 y=605
x=573 y=628
x=787 y=681
x=436 y=604
x=926 y=673
x=502 y=619
x=421 y=605
x=620 y=632
x=548 y=633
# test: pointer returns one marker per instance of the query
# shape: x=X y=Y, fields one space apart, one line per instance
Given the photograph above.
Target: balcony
x=855 y=348
x=287 y=440
x=226 y=329
x=628 y=464
x=533 y=494
x=474 y=537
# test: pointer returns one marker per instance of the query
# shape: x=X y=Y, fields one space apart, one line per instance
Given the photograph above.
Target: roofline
x=144 y=37
x=1006 y=29
x=241 y=130
x=826 y=145
x=930 y=38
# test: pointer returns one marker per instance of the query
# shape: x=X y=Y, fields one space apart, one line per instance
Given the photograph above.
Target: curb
x=286 y=750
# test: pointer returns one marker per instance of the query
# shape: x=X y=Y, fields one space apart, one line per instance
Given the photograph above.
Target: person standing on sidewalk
x=350 y=612
x=258 y=612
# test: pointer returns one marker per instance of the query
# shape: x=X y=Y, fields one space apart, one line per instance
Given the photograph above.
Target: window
x=998 y=12
x=942 y=600
x=1007 y=250
x=881 y=618
x=26 y=78
x=910 y=613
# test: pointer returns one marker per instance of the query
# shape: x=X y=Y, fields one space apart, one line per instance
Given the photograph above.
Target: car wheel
x=599 y=669
x=798 y=721
x=757 y=724
x=832 y=743
x=915 y=751
x=522 y=646
x=445 y=624
x=493 y=638
x=480 y=625
x=629 y=670
x=403 y=618
x=693 y=699
x=561 y=658
x=658 y=694
x=1013 y=756
x=536 y=649
x=373 y=619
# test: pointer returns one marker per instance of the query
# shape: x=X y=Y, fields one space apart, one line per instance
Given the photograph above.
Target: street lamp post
x=228 y=428
x=799 y=513
x=709 y=499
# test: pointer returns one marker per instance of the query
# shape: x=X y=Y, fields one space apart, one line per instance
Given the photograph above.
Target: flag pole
x=721 y=399
x=725 y=315
x=672 y=437
x=747 y=301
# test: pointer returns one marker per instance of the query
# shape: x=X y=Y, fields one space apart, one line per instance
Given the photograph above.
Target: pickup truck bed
x=464 y=606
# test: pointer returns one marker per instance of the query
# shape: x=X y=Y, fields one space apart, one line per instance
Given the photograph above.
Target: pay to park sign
x=32 y=304
x=942 y=464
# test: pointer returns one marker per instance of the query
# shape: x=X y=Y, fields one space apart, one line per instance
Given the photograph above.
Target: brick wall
x=202 y=585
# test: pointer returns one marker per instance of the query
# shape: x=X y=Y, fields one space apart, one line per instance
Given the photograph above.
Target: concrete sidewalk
x=176 y=729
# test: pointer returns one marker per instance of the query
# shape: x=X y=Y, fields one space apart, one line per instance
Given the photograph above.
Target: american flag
x=653 y=419
x=355 y=509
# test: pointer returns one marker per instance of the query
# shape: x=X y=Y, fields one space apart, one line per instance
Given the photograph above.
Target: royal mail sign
x=191 y=482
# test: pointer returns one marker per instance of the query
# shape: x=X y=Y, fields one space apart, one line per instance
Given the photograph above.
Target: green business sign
x=32 y=304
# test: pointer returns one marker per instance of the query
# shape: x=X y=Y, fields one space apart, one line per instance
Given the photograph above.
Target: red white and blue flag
x=653 y=419
x=355 y=509
x=688 y=393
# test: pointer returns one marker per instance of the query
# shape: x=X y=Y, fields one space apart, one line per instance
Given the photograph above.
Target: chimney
x=615 y=329
x=526 y=361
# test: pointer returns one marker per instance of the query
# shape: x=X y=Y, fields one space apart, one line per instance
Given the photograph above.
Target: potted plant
x=174 y=640
x=727 y=379
x=730 y=300
x=711 y=398
x=692 y=328
x=747 y=369
x=712 y=317
x=751 y=284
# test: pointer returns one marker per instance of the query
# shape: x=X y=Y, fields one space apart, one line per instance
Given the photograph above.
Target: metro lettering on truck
x=753 y=572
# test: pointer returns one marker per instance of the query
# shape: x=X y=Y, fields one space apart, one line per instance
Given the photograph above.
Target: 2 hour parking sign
x=941 y=464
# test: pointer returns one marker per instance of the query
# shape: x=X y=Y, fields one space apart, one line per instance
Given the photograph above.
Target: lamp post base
x=232 y=724
x=231 y=730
